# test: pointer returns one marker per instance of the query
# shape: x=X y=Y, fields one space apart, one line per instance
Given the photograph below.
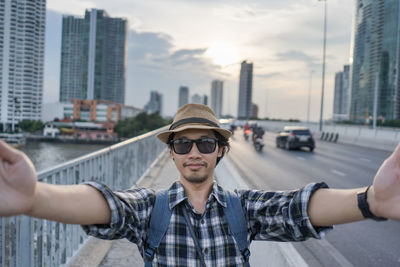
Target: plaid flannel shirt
x=276 y=216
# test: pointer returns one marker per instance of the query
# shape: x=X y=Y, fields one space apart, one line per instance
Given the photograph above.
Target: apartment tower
x=183 y=96
x=22 y=38
x=216 y=97
x=93 y=57
x=245 y=90
x=376 y=60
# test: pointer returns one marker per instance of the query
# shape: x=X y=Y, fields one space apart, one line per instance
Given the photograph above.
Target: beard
x=194 y=176
x=196 y=179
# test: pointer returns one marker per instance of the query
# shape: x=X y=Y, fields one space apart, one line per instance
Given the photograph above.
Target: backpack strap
x=159 y=222
x=237 y=223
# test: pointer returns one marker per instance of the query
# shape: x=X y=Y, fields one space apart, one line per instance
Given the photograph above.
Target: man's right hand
x=17 y=181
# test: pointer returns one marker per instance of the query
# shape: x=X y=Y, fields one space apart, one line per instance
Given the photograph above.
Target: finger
x=8 y=153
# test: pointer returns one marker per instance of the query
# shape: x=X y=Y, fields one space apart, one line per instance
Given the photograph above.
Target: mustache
x=195 y=163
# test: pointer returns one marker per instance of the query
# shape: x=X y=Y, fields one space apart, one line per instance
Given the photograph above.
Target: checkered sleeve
x=282 y=215
x=130 y=211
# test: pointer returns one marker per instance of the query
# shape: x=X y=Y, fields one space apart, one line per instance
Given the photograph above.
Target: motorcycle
x=258 y=143
x=246 y=134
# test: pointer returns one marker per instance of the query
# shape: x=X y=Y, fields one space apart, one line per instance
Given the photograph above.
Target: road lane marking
x=365 y=160
x=338 y=173
x=301 y=158
x=339 y=258
x=282 y=254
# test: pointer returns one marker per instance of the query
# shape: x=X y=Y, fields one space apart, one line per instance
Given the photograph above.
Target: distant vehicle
x=293 y=137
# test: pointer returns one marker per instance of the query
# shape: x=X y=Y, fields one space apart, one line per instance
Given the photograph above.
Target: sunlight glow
x=223 y=54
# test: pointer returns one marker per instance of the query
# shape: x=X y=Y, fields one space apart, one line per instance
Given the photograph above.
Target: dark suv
x=295 y=137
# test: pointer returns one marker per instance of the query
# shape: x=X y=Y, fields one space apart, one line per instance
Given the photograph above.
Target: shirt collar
x=176 y=194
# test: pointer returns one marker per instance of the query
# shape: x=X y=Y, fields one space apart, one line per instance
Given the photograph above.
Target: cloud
x=269 y=75
x=294 y=55
x=154 y=63
x=144 y=45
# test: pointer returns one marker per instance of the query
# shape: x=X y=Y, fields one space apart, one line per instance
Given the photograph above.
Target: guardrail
x=28 y=242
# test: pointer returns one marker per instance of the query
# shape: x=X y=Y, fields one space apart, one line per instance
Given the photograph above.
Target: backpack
x=161 y=216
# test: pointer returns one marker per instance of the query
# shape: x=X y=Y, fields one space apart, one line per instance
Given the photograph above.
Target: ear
x=220 y=151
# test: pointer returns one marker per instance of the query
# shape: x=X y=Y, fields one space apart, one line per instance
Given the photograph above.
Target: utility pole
x=323 y=71
x=309 y=97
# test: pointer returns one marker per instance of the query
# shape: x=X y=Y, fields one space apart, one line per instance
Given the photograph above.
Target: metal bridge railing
x=28 y=242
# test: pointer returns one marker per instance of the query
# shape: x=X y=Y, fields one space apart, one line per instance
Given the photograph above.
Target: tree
x=30 y=125
x=140 y=124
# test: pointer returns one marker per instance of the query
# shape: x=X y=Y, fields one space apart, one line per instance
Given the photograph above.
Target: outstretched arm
x=20 y=193
x=335 y=206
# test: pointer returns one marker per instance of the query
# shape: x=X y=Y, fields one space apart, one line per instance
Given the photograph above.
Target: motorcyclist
x=246 y=130
x=233 y=128
x=258 y=132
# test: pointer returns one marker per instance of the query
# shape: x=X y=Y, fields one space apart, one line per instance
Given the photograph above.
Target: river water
x=45 y=155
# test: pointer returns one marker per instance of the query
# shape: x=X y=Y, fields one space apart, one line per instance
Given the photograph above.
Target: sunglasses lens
x=207 y=145
x=182 y=146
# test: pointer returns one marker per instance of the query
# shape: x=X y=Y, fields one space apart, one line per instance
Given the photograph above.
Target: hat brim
x=165 y=135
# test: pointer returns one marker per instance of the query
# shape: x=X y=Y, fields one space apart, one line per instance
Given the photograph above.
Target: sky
x=173 y=43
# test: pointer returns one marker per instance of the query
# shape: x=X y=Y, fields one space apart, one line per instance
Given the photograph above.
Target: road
x=366 y=243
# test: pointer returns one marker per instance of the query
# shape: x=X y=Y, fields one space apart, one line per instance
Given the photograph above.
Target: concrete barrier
x=382 y=138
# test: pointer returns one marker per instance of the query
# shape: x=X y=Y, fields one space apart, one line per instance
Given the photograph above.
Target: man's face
x=196 y=167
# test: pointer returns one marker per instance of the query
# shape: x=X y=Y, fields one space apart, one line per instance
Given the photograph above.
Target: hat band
x=193 y=120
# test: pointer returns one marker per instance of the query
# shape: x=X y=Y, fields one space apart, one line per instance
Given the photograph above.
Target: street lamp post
x=323 y=70
x=309 y=97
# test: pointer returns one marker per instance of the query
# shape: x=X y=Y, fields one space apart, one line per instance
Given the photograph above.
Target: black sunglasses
x=205 y=145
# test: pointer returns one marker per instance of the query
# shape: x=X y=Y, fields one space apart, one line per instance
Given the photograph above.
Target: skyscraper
x=245 y=90
x=93 y=57
x=21 y=55
x=183 y=96
x=376 y=55
x=216 y=97
x=254 y=110
x=205 y=100
x=342 y=95
x=155 y=103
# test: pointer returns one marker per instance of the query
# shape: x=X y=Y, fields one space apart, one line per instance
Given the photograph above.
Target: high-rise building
x=183 y=96
x=22 y=37
x=205 y=100
x=376 y=60
x=216 y=97
x=342 y=94
x=254 y=110
x=245 y=90
x=155 y=103
x=197 y=99
x=93 y=57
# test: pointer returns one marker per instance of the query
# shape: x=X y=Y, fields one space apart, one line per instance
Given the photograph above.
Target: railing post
x=25 y=242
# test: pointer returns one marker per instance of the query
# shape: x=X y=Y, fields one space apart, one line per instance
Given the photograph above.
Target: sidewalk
x=161 y=174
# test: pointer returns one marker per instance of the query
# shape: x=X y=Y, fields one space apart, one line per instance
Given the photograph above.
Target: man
x=196 y=144
x=258 y=132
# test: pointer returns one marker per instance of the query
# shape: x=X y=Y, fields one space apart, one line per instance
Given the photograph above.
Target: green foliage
x=391 y=123
x=140 y=124
x=30 y=125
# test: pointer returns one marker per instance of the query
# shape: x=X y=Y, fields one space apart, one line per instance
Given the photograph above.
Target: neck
x=198 y=193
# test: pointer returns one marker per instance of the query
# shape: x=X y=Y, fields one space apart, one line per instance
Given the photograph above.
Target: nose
x=194 y=152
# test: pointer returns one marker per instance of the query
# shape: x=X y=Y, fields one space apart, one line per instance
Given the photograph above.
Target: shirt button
x=202 y=221
x=205 y=250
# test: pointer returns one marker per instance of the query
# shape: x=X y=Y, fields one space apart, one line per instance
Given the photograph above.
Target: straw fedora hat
x=194 y=116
